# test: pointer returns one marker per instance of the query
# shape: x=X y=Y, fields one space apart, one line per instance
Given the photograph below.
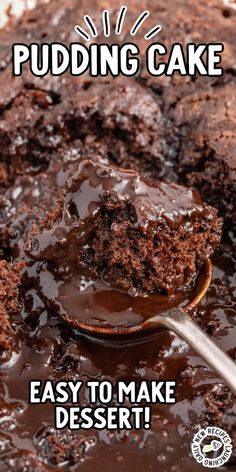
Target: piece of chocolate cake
x=207 y=159
x=138 y=235
x=10 y=281
x=129 y=125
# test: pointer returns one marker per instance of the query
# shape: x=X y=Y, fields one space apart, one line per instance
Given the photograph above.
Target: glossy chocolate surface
x=48 y=348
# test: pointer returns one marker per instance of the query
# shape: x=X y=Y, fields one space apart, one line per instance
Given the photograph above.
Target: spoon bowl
x=94 y=329
x=178 y=320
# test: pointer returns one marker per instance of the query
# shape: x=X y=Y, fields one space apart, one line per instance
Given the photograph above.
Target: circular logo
x=211 y=447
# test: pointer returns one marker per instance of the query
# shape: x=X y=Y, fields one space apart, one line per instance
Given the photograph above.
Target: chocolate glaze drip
x=165 y=124
x=110 y=219
x=93 y=183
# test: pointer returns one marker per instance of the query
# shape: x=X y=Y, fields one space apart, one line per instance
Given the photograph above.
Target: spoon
x=178 y=320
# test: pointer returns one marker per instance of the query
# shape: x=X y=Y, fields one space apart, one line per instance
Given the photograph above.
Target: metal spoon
x=179 y=321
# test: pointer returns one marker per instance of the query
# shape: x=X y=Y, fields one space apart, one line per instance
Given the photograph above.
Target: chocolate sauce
x=81 y=299
x=51 y=349
x=86 y=191
x=162 y=235
x=131 y=126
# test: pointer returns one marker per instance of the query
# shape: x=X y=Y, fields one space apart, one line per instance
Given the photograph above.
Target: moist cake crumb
x=138 y=235
x=62 y=447
x=207 y=158
x=10 y=280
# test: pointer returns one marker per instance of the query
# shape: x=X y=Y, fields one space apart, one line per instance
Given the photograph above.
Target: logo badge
x=211 y=447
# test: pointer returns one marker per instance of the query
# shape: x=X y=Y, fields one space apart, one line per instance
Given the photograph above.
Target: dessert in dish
x=166 y=129
x=130 y=125
x=207 y=157
x=137 y=235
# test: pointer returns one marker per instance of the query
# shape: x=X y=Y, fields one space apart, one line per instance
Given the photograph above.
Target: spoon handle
x=182 y=324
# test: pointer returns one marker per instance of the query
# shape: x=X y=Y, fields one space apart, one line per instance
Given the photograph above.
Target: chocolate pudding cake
x=137 y=235
x=105 y=193
x=207 y=157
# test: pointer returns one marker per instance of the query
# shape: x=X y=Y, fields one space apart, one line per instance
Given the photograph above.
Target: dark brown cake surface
x=173 y=128
x=10 y=280
x=139 y=126
x=207 y=158
x=137 y=235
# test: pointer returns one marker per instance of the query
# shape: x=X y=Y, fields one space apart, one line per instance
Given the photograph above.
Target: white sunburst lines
x=119 y=25
x=150 y=34
x=81 y=32
x=90 y=24
x=106 y=23
x=120 y=20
